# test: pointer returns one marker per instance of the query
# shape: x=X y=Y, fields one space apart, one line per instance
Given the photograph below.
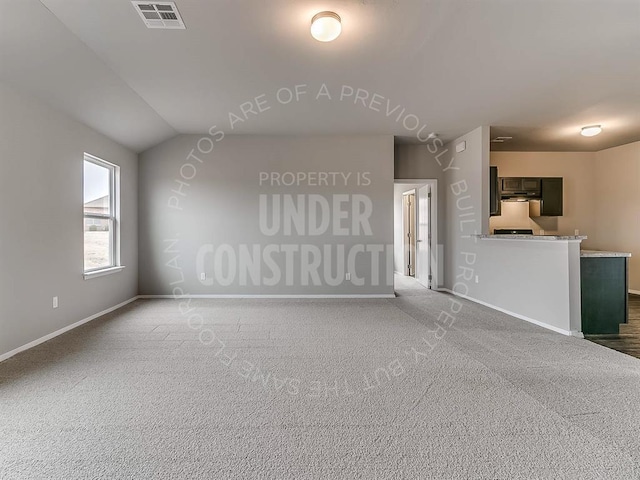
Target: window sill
x=103 y=272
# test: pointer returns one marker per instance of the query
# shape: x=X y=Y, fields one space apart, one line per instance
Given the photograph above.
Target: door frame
x=434 y=251
x=412 y=243
x=426 y=282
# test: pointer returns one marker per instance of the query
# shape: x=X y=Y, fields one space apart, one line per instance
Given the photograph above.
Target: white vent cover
x=159 y=14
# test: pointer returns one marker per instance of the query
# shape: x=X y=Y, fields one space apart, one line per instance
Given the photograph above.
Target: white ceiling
x=525 y=65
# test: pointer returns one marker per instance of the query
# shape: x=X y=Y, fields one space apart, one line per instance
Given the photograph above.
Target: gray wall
x=220 y=206
x=428 y=161
x=418 y=161
x=539 y=280
x=41 y=236
x=466 y=187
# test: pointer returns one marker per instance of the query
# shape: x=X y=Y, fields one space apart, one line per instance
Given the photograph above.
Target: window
x=101 y=249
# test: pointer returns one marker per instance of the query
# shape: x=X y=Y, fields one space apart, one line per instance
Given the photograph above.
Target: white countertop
x=530 y=237
x=602 y=254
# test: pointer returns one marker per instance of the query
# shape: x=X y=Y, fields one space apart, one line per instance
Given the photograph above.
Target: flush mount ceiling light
x=591 y=131
x=326 y=26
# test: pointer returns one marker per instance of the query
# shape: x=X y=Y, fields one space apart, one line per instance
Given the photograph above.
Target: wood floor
x=628 y=341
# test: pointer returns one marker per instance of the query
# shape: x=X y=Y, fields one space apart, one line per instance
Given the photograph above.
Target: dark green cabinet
x=550 y=203
x=604 y=286
x=494 y=192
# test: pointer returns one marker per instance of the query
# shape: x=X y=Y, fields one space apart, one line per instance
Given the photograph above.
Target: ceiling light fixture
x=591 y=130
x=326 y=26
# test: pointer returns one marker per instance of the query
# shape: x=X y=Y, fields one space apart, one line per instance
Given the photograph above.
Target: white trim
x=373 y=295
x=113 y=217
x=433 y=223
x=40 y=340
x=102 y=272
x=634 y=292
x=570 y=333
x=413 y=180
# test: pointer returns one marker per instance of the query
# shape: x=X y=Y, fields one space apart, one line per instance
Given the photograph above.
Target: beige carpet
x=318 y=389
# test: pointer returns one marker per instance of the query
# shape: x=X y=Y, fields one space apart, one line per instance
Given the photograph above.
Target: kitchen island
x=549 y=281
x=604 y=291
x=532 y=277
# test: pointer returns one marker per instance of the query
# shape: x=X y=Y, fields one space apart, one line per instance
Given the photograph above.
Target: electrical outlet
x=203 y=276
x=348 y=276
x=577 y=232
x=477 y=279
x=55 y=302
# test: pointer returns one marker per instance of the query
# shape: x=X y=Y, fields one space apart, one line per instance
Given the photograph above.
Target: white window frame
x=113 y=218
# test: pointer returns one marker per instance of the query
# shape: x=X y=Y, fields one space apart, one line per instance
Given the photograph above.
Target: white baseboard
x=634 y=292
x=40 y=340
x=222 y=296
x=570 y=333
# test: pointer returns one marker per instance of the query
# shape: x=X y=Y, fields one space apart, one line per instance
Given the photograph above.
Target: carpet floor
x=421 y=386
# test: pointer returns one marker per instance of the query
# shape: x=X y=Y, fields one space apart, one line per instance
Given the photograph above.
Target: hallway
x=403 y=285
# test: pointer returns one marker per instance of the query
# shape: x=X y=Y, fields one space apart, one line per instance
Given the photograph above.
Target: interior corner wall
x=617 y=206
x=41 y=221
x=466 y=190
x=199 y=217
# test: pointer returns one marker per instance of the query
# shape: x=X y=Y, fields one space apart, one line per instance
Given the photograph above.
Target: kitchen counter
x=603 y=254
x=529 y=237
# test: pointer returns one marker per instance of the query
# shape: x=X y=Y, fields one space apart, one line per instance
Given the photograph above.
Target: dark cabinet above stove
x=519 y=188
x=544 y=194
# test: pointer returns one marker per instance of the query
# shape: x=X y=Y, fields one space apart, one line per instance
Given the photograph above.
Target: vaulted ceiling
x=525 y=66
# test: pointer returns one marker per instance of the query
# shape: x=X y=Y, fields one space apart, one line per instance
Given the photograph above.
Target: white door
x=423 y=241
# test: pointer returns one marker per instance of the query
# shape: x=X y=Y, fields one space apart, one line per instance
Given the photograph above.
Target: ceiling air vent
x=159 y=14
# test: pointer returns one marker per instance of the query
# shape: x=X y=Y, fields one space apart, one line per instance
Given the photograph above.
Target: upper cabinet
x=544 y=194
x=519 y=188
x=550 y=203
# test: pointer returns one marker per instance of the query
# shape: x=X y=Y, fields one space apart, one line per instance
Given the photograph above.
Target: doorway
x=415 y=232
